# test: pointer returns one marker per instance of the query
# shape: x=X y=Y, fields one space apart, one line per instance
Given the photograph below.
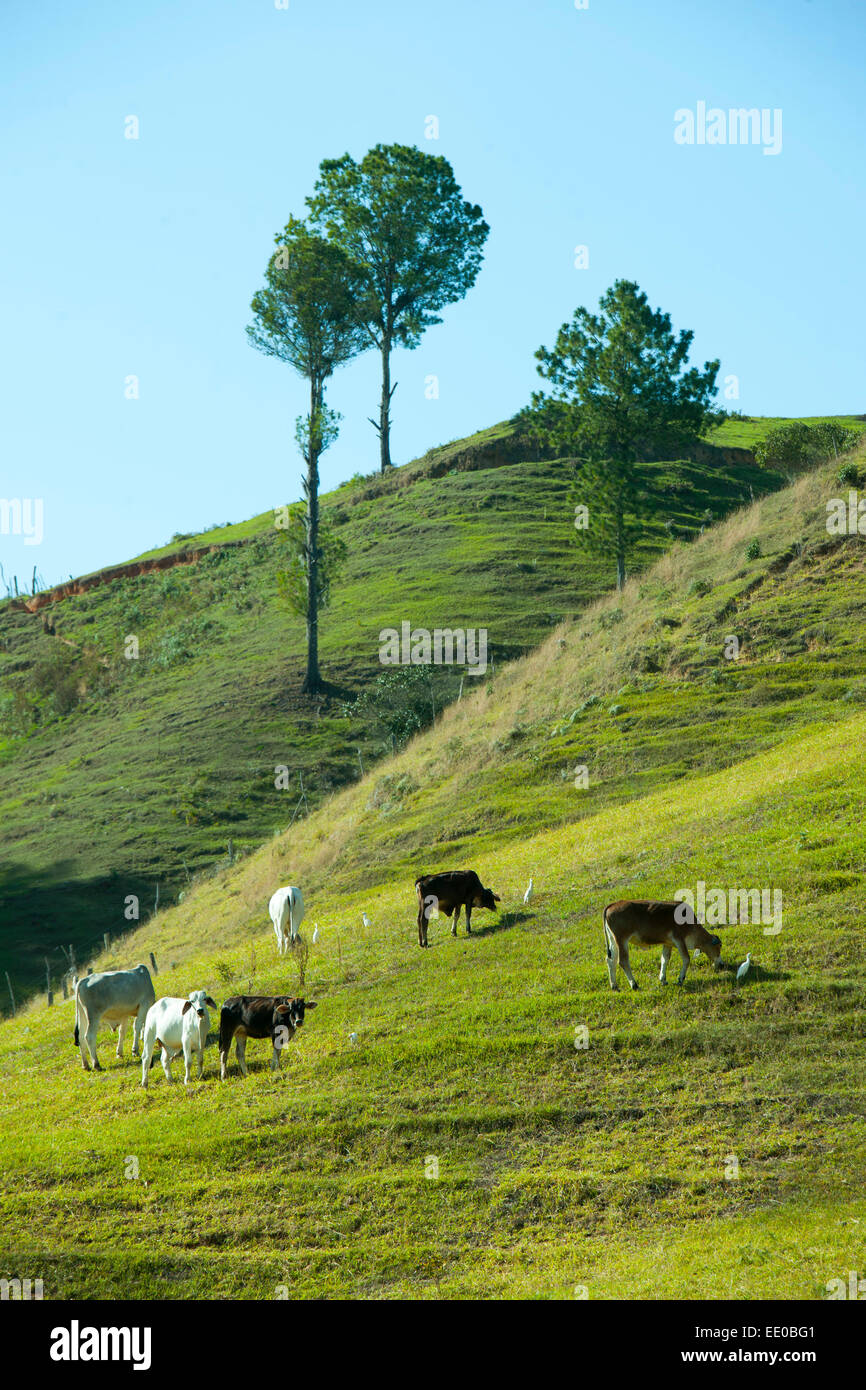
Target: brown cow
x=449 y=892
x=655 y=924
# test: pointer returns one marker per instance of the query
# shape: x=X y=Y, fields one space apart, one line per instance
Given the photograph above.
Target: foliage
x=414 y=241
x=398 y=703
x=622 y=392
x=292 y=579
x=304 y=314
x=798 y=446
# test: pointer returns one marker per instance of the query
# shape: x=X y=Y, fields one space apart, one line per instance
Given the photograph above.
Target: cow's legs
x=275 y=1059
x=80 y=1031
x=147 y=1058
x=684 y=957
x=166 y=1062
x=225 y=1043
x=626 y=964
x=90 y=1039
x=121 y=1034
x=454 y=920
x=422 y=924
x=138 y=1029
x=187 y=1061
x=241 y=1048
x=666 y=955
x=468 y=919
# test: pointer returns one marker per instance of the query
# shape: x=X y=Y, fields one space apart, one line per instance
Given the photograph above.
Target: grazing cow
x=287 y=905
x=655 y=924
x=115 y=996
x=176 y=1025
x=274 y=1016
x=449 y=892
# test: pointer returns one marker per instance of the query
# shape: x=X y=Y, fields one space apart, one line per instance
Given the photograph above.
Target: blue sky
x=139 y=257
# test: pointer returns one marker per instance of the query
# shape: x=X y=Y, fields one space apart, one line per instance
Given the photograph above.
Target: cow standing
x=115 y=996
x=447 y=893
x=274 y=1016
x=286 y=906
x=655 y=924
x=177 y=1026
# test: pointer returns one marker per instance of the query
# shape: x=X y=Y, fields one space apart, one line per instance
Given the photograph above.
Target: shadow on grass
x=45 y=910
x=503 y=922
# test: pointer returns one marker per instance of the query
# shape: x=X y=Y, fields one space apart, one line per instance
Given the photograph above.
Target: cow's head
x=289 y=1012
x=713 y=948
x=198 y=1000
x=489 y=899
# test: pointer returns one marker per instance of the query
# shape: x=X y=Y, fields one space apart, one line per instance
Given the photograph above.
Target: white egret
x=528 y=894
x=744 y=968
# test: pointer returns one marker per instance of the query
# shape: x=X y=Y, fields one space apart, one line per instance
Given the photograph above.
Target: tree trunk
x=385 y=406
x=312 y=680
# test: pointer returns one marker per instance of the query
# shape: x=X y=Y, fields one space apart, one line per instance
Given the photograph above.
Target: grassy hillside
x=118 y=775
x=706 y=1141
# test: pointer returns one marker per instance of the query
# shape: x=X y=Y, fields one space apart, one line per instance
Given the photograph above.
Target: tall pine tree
x=622 y=393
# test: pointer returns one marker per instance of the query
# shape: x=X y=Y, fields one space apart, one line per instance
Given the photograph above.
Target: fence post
x=11 y=994
x=153 y=963
x=106 y=936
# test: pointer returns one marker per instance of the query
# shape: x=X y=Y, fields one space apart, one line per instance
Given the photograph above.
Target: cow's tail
x=608 y=943
x=80 y=1013
x=224 y=1033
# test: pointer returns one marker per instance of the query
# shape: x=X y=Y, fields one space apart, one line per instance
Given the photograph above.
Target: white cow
x=287 y=905
x=114 y=996
x=177 y=1025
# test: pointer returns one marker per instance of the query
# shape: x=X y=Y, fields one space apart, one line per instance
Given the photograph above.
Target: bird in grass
x=353 y=1039
x=528 y=894
x=365 y=919
x=315 y=933
x=744 y=968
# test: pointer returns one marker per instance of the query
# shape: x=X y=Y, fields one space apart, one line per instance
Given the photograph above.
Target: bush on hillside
x=799 y=446
x=849 y=474
x=403 y=701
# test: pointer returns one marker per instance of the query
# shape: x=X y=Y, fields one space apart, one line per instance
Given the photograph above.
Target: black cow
x=274 y=1016
x=449 y=892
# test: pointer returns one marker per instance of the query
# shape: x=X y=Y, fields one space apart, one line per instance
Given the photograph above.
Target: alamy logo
x=847 y=521
x=719 y=907
x=736 y=126
x=24 y=1290
x=856 y=1287
x=76 y=1343
x=22 y=516
x=444 y=646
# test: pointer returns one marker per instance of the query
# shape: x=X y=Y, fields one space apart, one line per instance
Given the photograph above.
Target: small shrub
x=610 y=618
x=698 y=587
x=753 y=549
x=849 y=474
